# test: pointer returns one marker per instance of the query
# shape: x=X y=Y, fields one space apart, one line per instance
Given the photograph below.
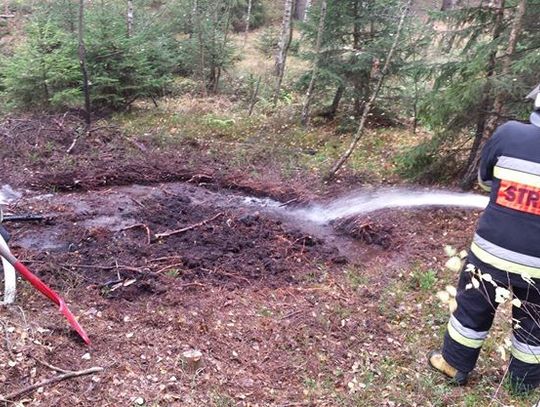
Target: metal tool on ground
x=45 y=290
x=27 y=218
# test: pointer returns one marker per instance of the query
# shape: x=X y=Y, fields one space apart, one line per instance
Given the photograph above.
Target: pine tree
x=488 y=66
x=207 y=50
x=357 y=37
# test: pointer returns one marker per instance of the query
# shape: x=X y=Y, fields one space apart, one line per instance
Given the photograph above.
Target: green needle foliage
x=44 y=71
x=356 y=39
x=466 y=71
x=123 y=69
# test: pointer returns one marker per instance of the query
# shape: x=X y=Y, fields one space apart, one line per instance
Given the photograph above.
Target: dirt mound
x=366 y=230
x=414 y=232
x=34 y=154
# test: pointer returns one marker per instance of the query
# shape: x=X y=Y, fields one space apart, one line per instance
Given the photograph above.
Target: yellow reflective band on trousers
x=463 y=340
x=503 y=264
x=525 y=357
x=526 y=353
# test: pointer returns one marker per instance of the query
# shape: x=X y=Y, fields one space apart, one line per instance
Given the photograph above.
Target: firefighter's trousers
x=469 y=324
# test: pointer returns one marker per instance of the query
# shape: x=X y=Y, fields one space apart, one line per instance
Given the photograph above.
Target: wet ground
x=238 y=278
x=153 y=267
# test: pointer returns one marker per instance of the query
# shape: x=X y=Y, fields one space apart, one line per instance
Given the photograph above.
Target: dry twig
x=196 y=225
x=48 y=382
x=170 y=266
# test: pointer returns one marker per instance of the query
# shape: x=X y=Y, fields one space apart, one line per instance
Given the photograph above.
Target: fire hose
x=11 y=261
x=10 y=279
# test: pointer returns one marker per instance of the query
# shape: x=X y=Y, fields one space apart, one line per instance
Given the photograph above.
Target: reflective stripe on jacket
x=508 y=234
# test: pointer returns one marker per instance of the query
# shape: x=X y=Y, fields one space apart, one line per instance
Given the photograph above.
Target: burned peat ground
x=284 y=312
x=271 y=307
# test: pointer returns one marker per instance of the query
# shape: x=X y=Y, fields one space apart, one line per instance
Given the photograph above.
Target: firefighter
x=504 y=255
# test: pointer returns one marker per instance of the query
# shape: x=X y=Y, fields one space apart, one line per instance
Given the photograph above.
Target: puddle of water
x=114 y=223
x=46 y=239
x=8 y=194
x=262 y=202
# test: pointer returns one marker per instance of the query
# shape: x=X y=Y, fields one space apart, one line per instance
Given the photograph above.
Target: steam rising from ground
x=365 y=201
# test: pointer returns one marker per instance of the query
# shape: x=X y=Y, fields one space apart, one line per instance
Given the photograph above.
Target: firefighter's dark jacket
x=508 y=234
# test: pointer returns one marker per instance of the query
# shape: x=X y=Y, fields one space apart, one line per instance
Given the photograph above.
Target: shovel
x=45 y=290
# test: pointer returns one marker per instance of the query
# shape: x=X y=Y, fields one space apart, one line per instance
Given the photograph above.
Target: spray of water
x=366 y=201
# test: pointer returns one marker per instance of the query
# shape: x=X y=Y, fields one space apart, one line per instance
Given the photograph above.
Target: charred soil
x=153 y=271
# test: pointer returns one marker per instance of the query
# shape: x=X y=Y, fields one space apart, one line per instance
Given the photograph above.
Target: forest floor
x=284 y=313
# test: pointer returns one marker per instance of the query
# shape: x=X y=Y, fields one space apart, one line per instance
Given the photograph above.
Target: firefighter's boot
x=437 y=362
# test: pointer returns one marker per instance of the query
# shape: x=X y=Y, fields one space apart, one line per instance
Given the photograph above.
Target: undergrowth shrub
x=44 y=71
x=432 y=160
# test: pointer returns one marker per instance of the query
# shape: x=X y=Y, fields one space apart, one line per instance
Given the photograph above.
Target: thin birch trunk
x=248 y=20
x=367 y=106
x=129 y=18
x=306 y=10
x=84 y=69
x=309 y=94
x=202 y=63
x=283 y=46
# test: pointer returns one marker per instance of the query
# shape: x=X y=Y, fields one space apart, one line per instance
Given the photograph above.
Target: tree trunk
x=517 y=27
x=196 y=18
x=474 y=156
x=82 y=62
x=302 y=8
x=309 y=94
x=358 y=79
x=129 y=18
x=283 y=46
x=254 y=96
x=449 y=4
x=332 y=110
x=367 y=106
x=306 y=10
x=223 y=44
x=248 y=20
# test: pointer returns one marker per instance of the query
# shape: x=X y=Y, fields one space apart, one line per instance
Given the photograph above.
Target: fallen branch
x=170 y=266
x=55 y=368
x=290 y=201
x=196 y=225
x=48 y=382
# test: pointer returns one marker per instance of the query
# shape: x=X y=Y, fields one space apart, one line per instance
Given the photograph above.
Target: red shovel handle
x=51 y=294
